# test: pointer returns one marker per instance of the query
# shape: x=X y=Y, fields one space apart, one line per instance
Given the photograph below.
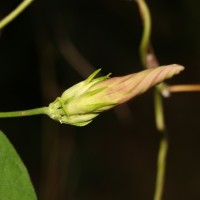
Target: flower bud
x=81 y=103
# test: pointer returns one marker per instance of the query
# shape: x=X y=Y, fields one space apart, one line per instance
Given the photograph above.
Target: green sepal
x=91 y=77
x=99 y=107
x=82 y=123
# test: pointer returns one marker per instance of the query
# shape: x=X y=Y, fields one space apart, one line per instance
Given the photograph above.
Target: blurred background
x=55 y=44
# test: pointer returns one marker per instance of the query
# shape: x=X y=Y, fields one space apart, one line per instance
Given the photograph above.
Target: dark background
x=55 y=44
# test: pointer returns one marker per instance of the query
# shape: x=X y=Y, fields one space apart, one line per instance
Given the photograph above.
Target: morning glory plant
x=80 y=104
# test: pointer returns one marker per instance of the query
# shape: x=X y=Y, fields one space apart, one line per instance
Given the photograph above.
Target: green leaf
x=15 y=183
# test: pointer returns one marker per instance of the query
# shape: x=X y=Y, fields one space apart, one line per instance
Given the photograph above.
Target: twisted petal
x=122 y=89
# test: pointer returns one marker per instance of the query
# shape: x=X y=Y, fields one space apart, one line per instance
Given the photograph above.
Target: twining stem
x=6 y=20
x=145 y=15
x=24 y=113
x=161 y=163
x=163 y=147
x=145 y=51
x=159 y=117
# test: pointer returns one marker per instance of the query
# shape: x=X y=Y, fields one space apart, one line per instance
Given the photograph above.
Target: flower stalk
x=24 y=113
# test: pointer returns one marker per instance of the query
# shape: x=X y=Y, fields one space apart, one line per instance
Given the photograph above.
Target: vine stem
x=163 y=146
x=24 y=113
x=145 y=15
x=22 y=6
x=146 y=50
x=183 y=88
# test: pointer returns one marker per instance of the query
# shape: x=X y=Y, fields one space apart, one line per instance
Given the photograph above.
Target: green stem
x=163 y=147
x=6 y=20
x=145 y=15
x=161 y=165
x=159 y=111
x=160 y=123
x=24 y=113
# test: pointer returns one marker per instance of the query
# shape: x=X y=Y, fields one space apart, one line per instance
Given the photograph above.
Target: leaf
x=15 y=183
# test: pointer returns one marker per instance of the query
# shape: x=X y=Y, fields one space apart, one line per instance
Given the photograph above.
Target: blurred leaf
x=15 y=183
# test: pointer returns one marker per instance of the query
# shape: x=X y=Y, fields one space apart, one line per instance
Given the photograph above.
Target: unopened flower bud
x=81 y=103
